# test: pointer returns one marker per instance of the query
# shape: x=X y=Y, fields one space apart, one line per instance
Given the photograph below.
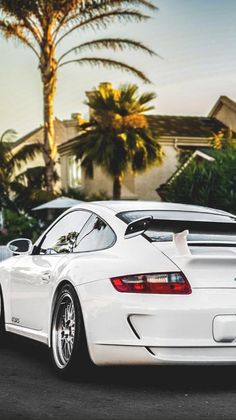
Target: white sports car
x=126 y=283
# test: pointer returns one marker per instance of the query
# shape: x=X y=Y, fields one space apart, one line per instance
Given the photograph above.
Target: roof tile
x=184 y=126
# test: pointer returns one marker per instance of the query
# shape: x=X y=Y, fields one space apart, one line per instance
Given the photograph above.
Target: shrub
x=211 y=184
x=17 y=226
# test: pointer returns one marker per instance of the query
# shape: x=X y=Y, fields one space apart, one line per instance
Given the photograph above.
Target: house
x=64 y=130
x=224 y=111
x=175 y=133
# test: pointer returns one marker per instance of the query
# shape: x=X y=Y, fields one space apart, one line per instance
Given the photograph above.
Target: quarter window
x=96 y=235
x=62 y=238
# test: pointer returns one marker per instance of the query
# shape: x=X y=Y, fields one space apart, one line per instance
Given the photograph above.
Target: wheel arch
x=53 y=302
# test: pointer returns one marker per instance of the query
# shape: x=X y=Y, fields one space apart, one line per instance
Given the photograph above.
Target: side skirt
x=27 y=332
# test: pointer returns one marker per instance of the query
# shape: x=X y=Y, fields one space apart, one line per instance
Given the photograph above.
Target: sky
x=195 y=40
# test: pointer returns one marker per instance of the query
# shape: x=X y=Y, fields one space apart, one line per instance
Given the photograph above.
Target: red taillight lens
x=167 y=283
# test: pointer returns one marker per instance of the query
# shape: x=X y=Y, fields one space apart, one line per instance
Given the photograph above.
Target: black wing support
x=138 y=227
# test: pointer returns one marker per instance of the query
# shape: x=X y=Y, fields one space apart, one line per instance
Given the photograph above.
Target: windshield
x=202 y=227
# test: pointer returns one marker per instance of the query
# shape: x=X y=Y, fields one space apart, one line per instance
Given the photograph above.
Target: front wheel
x=68 y=342
x=2 y=318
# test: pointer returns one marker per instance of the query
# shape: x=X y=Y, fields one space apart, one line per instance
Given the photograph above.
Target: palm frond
x=87 y=165
x=102 y=20
x=26 y=153
x=94 y=8
x=95 y=5
x=16 y=31
x=8 y=135
x=108 y=43
x=32 y=26
x=147 y=97
x=108 y=63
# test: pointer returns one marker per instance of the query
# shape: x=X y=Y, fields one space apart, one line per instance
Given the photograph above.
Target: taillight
x=162 y=283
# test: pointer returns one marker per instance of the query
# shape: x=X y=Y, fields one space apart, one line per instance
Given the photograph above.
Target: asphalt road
x=29 y=389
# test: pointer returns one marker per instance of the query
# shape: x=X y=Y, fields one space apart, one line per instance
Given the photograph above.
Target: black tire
x=69 y=352
x=2 y=321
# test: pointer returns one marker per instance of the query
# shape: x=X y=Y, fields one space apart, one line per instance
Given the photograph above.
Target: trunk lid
x=205 y=266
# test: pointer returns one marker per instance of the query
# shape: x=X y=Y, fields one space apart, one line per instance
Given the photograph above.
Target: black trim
x=221 y=213
x=139 y=225
x=132 y=327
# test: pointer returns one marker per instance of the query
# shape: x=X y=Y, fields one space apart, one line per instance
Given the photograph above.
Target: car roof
x=129 y=205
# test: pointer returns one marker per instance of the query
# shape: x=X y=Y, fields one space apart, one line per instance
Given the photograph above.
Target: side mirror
x=20 y=246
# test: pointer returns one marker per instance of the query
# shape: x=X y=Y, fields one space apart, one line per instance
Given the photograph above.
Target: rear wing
x=149 y=224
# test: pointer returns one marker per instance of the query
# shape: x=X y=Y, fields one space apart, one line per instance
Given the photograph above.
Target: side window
x=96 y=235
x=62 y=238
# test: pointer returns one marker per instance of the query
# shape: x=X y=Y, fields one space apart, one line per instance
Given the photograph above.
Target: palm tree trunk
x=117 y=187
x=50 y=149
x=48 y=68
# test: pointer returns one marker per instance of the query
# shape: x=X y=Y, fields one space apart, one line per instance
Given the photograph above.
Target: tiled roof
x=173 y=127
x=26 y=137
x=184 y=126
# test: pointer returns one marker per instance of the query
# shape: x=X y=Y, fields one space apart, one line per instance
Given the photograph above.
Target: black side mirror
x=20 y=246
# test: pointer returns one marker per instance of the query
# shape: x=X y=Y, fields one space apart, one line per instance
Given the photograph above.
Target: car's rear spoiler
x=141 y=226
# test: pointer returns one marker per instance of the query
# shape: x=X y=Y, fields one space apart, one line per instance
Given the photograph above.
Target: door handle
x=46 y=277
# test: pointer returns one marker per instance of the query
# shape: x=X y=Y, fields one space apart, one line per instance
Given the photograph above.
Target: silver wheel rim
x=63 y=330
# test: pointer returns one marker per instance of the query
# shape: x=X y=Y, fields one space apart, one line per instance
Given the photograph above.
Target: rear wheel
x=2 y=321
x=68 y=342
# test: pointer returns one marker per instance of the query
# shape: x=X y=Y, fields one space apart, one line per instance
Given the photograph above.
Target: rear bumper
x=125 y=328
x=105 y=355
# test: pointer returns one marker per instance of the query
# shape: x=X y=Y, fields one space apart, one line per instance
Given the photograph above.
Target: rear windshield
x=203 y=227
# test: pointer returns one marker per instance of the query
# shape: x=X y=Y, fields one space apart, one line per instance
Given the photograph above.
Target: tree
x=9 y=161
x=29 y=190
x=43 y=25
x=207 y=183
x=17 y=226
x=118 y=135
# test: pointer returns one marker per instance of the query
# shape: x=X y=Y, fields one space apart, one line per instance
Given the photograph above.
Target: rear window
x=203 y=227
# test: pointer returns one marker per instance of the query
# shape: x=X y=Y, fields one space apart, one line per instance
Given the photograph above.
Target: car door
x=33 y=276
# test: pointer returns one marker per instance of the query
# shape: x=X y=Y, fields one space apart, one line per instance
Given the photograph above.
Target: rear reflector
x=160 y=283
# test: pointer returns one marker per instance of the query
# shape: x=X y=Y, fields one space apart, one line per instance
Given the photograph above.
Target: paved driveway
x=30 y=390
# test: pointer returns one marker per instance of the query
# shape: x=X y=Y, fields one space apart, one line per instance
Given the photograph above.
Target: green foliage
x=19 y=226
x=42 y=25
x=207 y=183
x=118 y=136
x=79 y=194
x=98 y=196
x=26 y=190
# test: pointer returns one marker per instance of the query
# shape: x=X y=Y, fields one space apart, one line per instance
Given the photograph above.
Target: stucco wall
x=141 y=186
x=146 y=183
x=63 y=132
x=100 y=182
x=227 y=116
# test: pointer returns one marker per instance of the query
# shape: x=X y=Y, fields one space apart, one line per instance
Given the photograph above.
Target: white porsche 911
x=126 y=283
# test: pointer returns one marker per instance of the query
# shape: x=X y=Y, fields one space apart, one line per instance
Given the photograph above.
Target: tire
x=2 y=319
x=69 y=352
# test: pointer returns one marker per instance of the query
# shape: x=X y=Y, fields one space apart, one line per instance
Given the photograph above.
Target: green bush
x=80 y=194
x=207 y=183
x=17 y=226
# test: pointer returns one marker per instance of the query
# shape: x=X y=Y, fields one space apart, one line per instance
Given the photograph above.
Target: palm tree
x=9 y=161
x=118 y=135
x=29 y=189
x=43 y=25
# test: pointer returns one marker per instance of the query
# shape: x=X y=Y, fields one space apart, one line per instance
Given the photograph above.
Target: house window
x=75 y=172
